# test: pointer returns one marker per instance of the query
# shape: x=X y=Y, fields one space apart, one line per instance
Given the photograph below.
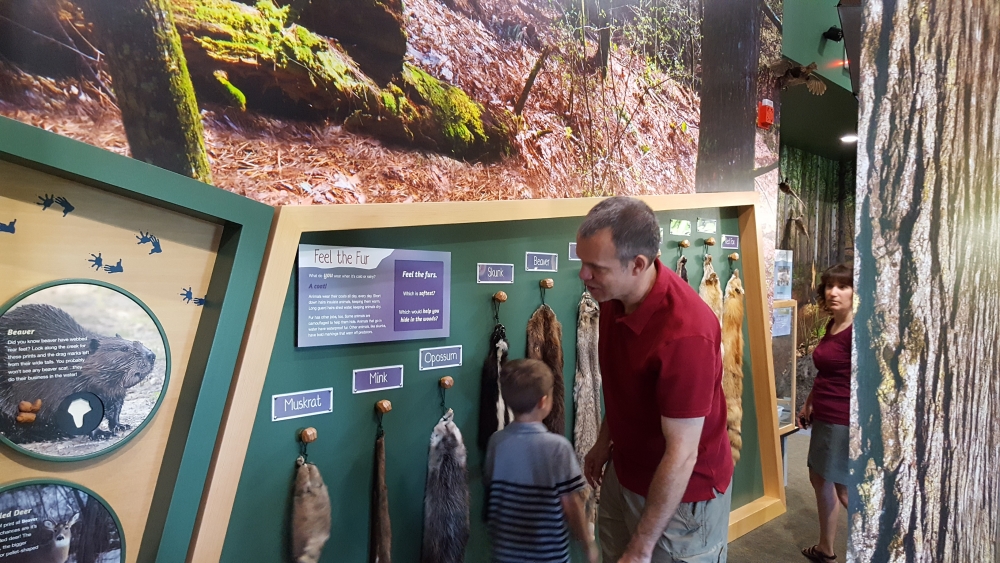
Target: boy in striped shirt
x=532 y=477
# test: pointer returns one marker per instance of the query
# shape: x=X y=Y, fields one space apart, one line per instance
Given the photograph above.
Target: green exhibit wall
x=258 y=529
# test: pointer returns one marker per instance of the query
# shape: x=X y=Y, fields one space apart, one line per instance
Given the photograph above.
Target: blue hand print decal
x=67 y=208
x=8 y=227
x=97 y=262
x=114 y=269
x=46 y=202
x=150 y=238
x=187 y=295
x=199 y=301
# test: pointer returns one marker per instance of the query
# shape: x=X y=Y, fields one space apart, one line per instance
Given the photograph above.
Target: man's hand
x=628 y=557
x=595 y=461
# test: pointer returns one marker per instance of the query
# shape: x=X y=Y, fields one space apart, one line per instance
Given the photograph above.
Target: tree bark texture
x=151 y=83
x=926 y=392
x=730 y=51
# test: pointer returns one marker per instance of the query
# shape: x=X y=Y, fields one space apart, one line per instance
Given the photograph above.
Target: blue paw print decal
x=117 y=268
x=151 y=239
x=8 y=227
x=188 y=297
x=47 y=201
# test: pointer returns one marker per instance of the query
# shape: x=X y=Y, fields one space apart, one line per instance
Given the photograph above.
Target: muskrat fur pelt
x=112 y=365
x=682 y=270
x=732 y=362
x=493 y=413
x=310 y=514
x=446 y=498
x=587 y=390
x=545 y=343
x=380 y=541
x=709 y=289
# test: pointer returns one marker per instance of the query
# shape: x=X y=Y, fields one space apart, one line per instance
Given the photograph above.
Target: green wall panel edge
x=246 y=225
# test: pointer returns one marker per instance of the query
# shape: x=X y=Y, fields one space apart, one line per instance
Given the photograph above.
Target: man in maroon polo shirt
x=666 y=492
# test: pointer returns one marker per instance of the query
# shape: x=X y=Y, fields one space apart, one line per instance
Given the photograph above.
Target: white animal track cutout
x=78 y=409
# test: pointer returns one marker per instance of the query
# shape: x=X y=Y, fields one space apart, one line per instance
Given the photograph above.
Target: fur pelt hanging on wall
x=587 y=390
x=380 y=544
x=310 y=513
x=545 y=343
x=493 y=413
x=446 y=498
x=732 y=362
x=710 y=289
x=682 y=270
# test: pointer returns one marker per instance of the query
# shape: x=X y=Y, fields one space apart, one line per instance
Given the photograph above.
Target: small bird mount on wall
x=786 y=189
x=789 y=73
x=834 y=34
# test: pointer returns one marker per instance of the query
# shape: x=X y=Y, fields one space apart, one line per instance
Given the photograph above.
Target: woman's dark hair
x=842 y=274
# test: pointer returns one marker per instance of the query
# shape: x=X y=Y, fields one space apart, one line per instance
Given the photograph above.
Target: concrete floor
x=782 y=539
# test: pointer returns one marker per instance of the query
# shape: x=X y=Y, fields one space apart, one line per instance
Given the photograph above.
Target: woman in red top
x=828 y=408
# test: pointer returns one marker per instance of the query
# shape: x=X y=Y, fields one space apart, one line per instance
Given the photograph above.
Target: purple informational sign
x=301 y=403
x=731 y=242
x=378 y=379
x=353 y=295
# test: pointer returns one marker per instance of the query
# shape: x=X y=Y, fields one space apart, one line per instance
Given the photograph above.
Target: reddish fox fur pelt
x=545 y=344
x=732 y=362
x=710 y=289
x=587 y=391
x=380 y=541
x=310 y=514
x=446 y=497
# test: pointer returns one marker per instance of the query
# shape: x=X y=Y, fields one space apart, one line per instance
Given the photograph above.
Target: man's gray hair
x=634 y=228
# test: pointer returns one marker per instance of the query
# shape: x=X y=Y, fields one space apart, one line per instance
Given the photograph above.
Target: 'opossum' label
x=301 y=403
x=441 y=357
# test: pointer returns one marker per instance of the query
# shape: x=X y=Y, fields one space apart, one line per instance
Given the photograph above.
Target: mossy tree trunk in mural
x=926 y=390
x=151 y=83
x=730 y=51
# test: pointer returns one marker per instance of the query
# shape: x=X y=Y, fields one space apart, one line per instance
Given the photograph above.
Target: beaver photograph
x=74 y=341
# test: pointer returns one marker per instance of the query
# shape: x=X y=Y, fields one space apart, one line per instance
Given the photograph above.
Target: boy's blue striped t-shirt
x=527 y=471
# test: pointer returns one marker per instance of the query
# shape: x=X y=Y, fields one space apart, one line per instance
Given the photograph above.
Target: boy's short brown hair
x=524 y=382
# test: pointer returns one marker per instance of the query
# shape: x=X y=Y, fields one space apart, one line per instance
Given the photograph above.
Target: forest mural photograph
x=354 y=101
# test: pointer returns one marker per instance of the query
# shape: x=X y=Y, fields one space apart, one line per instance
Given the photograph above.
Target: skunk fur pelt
x=380 y=544
x=446 y=498
x=710 y=289
x=545 y=344
x=493 y=413
x=732 y=362
x=682 y=270
x=310 y=514
x=587 y=390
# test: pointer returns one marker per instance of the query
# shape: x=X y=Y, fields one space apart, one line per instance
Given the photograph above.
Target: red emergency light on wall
x=765 y=114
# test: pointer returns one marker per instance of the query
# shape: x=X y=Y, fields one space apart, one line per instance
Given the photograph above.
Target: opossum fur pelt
x=446 y=498
x=493 y=413
x=380 y=541
x=682 y=270
x=732 y=362
x=310 y=514
x=587 y=390
x=709 y=289
x=545 y=344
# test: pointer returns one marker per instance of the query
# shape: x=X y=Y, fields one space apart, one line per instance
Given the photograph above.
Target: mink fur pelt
x=732 y=362
x=587 y=390
x=446 y=498
x=682 y=270
x=710 y=288
x=310 y=514
x=380 y=544
x=493 y=413
x=545 y=343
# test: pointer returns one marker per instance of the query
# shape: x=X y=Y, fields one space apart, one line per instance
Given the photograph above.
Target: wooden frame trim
x=241 y=410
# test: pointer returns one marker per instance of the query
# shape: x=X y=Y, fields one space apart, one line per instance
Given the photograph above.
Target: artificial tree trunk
x=926 y=393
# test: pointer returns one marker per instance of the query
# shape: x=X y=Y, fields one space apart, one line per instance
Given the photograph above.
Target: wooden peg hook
x=446 y=382
x=383 y=406
x=500 y=297
x=547 y=283
x=734 y=256
x=308 y=435
x=684 y=243
x=710 y=241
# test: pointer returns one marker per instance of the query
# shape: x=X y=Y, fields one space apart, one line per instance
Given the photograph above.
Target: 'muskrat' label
x=494 y=273
x=541 y=262
x=441 y=357
x=301 y=403
x=378 y=379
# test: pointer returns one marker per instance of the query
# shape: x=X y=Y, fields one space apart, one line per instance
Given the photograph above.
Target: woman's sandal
x=814 y=554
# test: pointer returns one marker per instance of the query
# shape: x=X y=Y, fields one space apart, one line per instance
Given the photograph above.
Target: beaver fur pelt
x=732 y=362
x=446 y=498
x=587 y=391
x=545 y=343
x=493 y=413
x=710 y=289
x=111 y=366
x=682 y=270
x=310 y=514
x=380 y=541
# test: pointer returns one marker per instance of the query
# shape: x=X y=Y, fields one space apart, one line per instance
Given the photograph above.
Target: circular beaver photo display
x=83 y=366
x=42 y=521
